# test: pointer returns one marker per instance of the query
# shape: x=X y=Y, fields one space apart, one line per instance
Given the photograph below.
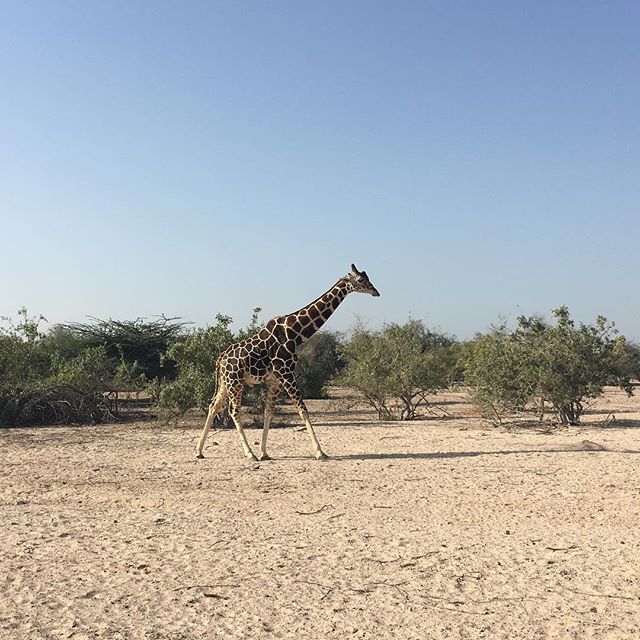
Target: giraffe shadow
x=469 y=454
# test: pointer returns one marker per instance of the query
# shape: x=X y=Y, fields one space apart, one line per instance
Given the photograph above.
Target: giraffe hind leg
x=215 y=407
x=268 y=413
x=235 y=398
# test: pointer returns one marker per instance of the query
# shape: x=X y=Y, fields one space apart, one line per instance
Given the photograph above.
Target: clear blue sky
x=476 y=158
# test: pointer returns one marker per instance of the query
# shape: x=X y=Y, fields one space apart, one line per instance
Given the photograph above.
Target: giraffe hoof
x=250 y=456
x=200 y=456
x=321 y=456
x=264 y=456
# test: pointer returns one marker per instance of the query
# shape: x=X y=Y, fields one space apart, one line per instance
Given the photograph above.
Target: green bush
x=194 y=356
x=319 y=361
x=539 y=364
x=496 y=372
x=397 y=368
x=21 y=367
x=140 y=343
x=628 y=354
x=41 y=383
x=62 y=342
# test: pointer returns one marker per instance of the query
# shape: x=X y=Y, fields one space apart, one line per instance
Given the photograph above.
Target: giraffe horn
x=354 y=269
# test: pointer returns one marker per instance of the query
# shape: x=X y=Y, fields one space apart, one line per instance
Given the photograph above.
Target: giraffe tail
x=218 y=387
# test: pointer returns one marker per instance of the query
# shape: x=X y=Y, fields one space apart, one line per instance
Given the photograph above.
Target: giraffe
x=270 y=356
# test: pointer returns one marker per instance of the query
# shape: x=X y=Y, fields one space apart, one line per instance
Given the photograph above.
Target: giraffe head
x=359 y=281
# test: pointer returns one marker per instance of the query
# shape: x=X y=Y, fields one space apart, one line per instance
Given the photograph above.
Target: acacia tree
x=141 y=342
x=398 y=367
x=559 y=365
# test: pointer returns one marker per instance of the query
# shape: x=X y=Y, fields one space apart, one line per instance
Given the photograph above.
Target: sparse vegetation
x=40 y=383
x=398 y=367
x=78 y=372
x=539 y=365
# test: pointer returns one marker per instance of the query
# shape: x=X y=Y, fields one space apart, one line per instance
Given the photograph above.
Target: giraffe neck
x=306 y=321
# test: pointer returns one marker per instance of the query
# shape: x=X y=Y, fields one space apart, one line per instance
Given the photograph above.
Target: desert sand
x=445 y=527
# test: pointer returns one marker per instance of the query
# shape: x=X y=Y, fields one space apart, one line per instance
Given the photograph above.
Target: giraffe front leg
x=318 y=454
x=291 y=388
x=272 y=394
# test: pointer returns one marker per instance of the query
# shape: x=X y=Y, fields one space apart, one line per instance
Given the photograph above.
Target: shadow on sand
x=471 y=454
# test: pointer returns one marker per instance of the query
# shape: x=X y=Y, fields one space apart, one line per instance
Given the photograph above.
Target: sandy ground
x=440 y=528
